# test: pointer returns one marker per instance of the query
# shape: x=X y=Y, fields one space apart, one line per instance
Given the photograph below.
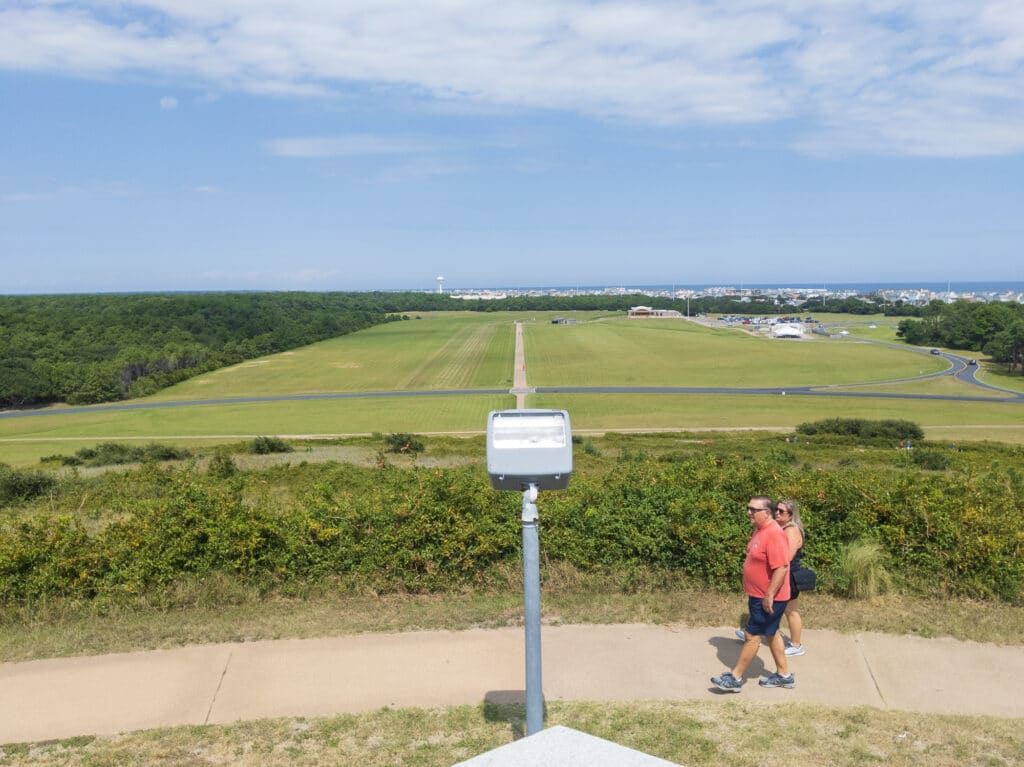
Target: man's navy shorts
x=761 y=623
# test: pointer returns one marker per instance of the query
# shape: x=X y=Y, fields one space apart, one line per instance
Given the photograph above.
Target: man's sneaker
x=778 y=680
x=794 y=649
x=741 y=635
x=728 y=682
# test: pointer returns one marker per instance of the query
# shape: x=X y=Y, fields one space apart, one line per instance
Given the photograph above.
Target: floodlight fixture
x=529 y=447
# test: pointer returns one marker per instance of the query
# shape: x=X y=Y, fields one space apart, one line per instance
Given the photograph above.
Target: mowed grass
x=26 y=439
x=475 y=350
x=457 y=350
x=947 y=386
x=1003 y=421
x=996 y=375
x=621 y=352
x=705 y=733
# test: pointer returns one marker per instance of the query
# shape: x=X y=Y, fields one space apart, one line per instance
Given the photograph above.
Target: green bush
x=115 y=453
x=933 y=460
x=434 y=530
x=17 y=485
x=267 y=445
x=862 y=428
x=403 y=443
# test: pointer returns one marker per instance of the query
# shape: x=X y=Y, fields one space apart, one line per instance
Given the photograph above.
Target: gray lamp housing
x=529 y=447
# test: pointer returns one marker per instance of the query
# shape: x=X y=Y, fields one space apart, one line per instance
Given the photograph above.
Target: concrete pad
x=945 y=676
x=360 y=673
x=646 y=662
x=104 y=695
x=564 y=747
x=315 y=677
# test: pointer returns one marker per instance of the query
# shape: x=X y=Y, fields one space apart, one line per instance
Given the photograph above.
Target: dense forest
x=996 y=329
x=83 y=349
x=98 y=348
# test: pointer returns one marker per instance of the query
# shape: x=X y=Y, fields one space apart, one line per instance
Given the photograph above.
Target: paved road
x=220 y=683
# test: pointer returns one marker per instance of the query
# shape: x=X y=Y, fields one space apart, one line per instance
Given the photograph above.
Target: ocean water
x=860 y=287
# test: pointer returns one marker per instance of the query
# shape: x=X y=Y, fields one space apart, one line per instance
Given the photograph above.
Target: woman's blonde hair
x=794 y=513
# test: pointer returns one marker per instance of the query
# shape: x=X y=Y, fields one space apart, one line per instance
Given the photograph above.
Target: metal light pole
x=531 y=610
x=530 y=451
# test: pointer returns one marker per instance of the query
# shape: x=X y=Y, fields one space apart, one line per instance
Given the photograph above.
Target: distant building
x=646 y=313
x=563 y=321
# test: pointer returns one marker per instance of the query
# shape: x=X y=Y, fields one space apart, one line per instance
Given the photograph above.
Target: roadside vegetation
x=205 y=550
x=997 y=329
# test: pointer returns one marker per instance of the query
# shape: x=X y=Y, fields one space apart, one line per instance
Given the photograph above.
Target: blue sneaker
x=778 y=680
x=727 y=682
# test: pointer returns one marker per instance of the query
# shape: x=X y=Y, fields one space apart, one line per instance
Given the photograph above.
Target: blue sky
x=351 y=145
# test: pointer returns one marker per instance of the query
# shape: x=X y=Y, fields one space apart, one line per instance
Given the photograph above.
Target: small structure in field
x=647 y=313
x=786 y=330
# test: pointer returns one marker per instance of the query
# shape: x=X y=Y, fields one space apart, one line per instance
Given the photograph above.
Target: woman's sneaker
x=741 y=635
x=794 y=649
x=778 y=680
x=727 y=682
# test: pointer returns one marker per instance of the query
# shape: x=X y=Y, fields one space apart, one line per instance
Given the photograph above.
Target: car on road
x=972 y=362
x=934 y=351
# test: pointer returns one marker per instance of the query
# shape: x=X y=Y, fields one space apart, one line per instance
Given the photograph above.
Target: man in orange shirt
x=766 y=581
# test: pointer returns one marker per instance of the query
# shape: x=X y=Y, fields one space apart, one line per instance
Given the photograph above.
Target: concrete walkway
x=221 y=683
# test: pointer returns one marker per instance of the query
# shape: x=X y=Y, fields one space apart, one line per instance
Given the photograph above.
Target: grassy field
x=621 y=412
x=621 y=352
x=458 y=350
x=940 y=385
x=474 y=350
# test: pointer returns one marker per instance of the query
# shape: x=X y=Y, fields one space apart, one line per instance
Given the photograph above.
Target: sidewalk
x=63 y=697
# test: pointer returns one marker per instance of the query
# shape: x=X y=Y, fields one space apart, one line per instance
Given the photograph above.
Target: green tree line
x=997 y=329
x=96 y=348
x=84 y=349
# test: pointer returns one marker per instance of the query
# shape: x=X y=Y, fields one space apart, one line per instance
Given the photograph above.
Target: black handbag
x=805 y=579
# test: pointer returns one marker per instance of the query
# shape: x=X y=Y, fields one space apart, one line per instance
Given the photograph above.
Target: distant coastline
x=831 y=287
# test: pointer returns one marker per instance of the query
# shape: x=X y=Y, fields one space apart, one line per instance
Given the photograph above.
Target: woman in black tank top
x=787 y=514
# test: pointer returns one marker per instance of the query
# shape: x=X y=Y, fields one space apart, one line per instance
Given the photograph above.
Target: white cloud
x=938 y=77
x=168 y=103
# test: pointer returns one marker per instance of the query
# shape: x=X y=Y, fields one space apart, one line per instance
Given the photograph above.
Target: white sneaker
x=794 y=649
x=741 y=635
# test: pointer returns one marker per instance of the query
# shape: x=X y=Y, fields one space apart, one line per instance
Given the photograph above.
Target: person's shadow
x=728 y=650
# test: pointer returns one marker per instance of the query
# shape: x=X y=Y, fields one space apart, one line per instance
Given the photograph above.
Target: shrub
x=863 y=568
x=221 y=465
x=267 y=445
x=116 y=453
x=864 y=428
x=17 y=485
x=933 y=460
x=403 y=443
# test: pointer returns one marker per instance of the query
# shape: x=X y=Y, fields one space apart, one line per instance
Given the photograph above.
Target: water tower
x=440 y=284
